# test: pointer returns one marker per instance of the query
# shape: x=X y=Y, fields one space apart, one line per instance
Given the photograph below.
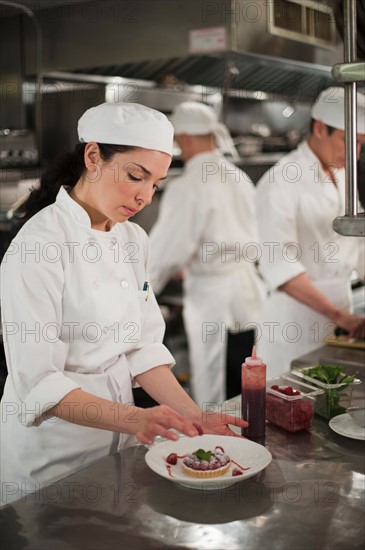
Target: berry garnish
x=172 y=459
x=236 y=472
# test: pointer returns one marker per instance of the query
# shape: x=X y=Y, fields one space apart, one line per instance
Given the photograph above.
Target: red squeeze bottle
x=253 y=395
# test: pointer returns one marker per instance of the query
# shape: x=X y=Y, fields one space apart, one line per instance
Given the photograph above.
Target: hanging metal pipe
x=350 y=56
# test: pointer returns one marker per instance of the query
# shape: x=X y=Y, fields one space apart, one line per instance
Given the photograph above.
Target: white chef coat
x=75 y=315
x=296 y=204
x=207 y=226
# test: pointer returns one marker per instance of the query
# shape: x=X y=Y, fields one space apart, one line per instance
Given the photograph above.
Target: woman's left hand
x=218 y=423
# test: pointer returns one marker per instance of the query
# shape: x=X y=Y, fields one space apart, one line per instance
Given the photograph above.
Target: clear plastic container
x=295 y=412
x=336 y=398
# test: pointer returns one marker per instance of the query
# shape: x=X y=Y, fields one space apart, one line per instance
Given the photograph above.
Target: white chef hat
x=194 y=118
x=329 y=107
x=127 y=124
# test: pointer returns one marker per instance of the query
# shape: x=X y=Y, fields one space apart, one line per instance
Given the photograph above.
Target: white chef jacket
x=207 y=226
x=75 y=315
x=296 y=205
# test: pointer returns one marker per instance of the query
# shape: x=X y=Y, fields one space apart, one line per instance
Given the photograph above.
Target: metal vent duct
x=252 y=73
x=303 y=20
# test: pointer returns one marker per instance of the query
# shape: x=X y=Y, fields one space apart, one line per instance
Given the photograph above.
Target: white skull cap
x=127 y=124
x=329 y=107
x=194 y=118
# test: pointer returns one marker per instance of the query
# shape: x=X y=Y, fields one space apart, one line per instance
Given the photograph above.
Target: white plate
x=343 y=424
x=244 y=452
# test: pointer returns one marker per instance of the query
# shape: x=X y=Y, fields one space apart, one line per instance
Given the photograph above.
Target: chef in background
x=207 y=227
x=81 y=323
x=307 y=265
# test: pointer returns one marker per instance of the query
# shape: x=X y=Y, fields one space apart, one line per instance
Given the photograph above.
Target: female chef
x=81 y=323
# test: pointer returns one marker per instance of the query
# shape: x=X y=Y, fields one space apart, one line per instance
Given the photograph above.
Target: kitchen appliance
x=18 y=148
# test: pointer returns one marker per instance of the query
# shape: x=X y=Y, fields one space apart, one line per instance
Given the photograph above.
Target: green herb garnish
x=203 y=455
x=329 y=374
x=328 y=405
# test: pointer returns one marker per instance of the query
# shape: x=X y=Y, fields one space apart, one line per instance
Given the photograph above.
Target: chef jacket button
x=91 y=241
x=105 y=330
x=124 y=283
x=113 y=241
x=96 y=284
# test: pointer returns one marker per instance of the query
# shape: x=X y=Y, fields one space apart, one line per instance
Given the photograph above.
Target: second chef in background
x=308 y=265
x=206 y=223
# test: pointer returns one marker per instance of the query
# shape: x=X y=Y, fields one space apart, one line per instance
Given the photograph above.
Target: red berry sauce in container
x=290 y=404
x=253 y=395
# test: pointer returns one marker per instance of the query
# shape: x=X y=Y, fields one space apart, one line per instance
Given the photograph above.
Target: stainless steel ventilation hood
x=280 y=47
x=236 y=49
x=274 y=77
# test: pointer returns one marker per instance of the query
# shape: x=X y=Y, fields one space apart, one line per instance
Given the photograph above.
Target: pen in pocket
x=146 y=288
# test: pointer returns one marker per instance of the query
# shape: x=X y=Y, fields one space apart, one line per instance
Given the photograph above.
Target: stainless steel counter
x=311 y=496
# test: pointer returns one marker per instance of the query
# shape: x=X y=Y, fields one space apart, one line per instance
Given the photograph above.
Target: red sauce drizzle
x=239 y=465
x=168 y=468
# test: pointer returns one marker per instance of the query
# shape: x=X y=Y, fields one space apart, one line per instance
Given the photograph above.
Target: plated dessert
x=246 y=457
x=204 y=464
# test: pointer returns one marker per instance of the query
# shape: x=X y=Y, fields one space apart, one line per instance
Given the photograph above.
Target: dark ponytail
x=66 y=170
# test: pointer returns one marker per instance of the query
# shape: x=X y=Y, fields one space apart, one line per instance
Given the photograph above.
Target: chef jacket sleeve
x=175 y=237
x=31 y=299
x=150 y=351
x=279 y=241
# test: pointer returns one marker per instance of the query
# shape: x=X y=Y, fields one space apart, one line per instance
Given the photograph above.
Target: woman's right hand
x=157 y=421
x=353 y=324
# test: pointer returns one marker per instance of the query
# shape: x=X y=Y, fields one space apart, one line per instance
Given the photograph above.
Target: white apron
x=291 y=329
x=56 y=448
x=212 y=306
